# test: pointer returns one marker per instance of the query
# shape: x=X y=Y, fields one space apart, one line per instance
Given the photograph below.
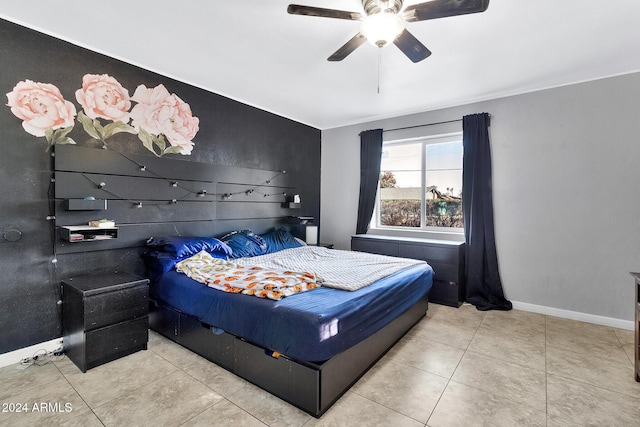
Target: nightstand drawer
x=447 y=293
x=104 y=317
x=114 y=341
x=374 y=247
x=446 y=272
x=116 y=306
x=431 y=254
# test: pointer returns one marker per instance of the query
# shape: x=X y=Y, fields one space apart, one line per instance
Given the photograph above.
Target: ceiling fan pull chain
x=379 y=60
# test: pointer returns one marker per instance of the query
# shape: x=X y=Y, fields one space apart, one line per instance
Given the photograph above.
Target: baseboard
x=575 y=315
x=16 y=356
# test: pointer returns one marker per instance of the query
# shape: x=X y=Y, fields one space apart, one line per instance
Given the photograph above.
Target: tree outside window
x=421 y=184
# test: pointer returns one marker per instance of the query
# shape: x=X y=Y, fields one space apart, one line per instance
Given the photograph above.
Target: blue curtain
x=370 y=154
x=484 y=287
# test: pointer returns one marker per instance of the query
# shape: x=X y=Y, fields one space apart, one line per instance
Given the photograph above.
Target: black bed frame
x=312 y=387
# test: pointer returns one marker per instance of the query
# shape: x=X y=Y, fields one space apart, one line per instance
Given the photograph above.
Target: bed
x=307 y=348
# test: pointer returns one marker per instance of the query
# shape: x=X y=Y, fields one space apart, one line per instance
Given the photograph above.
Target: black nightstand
x=104 y=317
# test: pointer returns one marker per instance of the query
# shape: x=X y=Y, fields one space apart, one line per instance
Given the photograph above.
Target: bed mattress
x=311 y=326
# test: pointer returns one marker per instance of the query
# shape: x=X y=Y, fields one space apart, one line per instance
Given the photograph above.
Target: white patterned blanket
x=337 y=269
x=254 y=280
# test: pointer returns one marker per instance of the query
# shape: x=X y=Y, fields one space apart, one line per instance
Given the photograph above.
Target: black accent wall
x=231 y=134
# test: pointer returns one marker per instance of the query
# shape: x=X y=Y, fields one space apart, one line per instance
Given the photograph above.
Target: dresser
x=446 y=257
x=104 y=317
x=636 y=309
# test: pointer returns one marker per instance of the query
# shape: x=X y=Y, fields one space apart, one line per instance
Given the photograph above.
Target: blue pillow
x=244 y=243
x=159 y=263
x=185 y=246
x=280 y=239
x=167 y=251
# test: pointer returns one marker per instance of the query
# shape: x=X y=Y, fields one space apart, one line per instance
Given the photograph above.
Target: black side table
x=104 y=317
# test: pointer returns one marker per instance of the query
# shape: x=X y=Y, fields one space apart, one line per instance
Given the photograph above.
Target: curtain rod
x=424 y=125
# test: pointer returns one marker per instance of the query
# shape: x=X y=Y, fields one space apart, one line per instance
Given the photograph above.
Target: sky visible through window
x=443 y=165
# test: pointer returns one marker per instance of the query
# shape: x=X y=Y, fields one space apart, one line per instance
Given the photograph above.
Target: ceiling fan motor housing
x=376 y=6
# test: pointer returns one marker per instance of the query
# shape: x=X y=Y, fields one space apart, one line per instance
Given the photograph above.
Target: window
x=421 y=184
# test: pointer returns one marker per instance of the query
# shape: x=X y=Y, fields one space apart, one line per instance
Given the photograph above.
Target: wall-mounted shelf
x=84 y=233
x=291 y=205
x=85 y=205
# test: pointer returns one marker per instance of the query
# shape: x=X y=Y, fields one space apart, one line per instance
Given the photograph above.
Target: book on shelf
x=102 y=223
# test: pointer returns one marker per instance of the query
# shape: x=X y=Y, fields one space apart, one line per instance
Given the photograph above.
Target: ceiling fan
x=384 y=22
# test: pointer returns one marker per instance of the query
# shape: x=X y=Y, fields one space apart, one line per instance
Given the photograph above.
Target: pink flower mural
x=157 y=117
x=41 y=108
x=103 y=96
x=161 y=113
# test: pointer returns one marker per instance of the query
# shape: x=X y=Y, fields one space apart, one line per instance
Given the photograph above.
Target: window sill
x=456 y=235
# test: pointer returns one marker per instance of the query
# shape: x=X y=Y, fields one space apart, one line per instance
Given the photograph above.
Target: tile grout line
x=546 y=376
x=454 y=371
x=613 y=330
x=579 y=380
x=379 y=404
x=224 y=398
x=28 y=389
x=78 y=393
x=197 y=380
x=575 y=379
x=119 y=396
x=488 y=392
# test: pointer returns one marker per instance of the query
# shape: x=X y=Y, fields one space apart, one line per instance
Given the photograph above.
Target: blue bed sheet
x=310 y=326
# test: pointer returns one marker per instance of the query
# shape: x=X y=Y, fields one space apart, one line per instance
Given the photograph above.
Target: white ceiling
x=254 y=52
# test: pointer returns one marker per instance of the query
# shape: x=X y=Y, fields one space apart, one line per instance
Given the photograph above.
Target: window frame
x=425 y=140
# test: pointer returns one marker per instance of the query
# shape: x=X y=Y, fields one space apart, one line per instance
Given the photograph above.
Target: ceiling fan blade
x=348 y=47
x=411 y=46
x=443 y=8
x=296 y=9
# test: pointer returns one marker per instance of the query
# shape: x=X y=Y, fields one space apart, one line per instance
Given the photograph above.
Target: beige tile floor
x=457 y=367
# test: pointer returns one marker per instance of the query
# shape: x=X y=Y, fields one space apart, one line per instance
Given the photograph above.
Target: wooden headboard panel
x=150 y=196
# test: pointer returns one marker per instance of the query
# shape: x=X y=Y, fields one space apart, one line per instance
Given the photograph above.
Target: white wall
x=566 y=174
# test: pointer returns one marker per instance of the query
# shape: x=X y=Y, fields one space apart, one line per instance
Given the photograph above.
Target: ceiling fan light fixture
x=382 y=28
x=384 y=22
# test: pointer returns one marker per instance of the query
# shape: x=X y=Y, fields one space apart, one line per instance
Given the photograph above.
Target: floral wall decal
x=163 y=122
x=43 y=110
x=160 y=113
x=103 y=96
